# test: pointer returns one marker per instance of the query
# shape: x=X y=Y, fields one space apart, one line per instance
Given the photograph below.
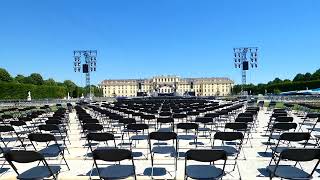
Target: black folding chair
x=277 y=129
x=51 y=149
x=190 y=132
x=8 y=135
x=37 y=172
x=115 y=171
x=165 y=120
x=158 y=148
x=285 y=141
x=100 y=137
x=292 y=171
x=231 y=143
x=205 y=171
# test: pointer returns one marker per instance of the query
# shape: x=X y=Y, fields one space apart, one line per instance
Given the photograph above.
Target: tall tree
x=50 y=82
x=36 y=79
x=20 y=78
x=5 y=76
x=316 y=75
x=299 y=77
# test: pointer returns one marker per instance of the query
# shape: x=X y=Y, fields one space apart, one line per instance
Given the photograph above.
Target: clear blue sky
x=143 y=38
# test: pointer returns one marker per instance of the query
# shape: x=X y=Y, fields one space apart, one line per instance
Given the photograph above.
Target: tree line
x=17 y=87
x=299 y=82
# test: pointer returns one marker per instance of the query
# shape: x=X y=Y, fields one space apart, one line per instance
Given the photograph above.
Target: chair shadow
x=157 y=171
x=3 y=170
x=160 y=144
x=137 y=154
x=263 y=172
x=198 y=143
x=265 y=154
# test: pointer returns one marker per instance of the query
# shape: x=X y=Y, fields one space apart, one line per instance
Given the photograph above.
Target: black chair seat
x=163 y=149
x=289 y=172
x=203 y=171
x=187 y=137
x=229 y=149
x=278 y=149
x=139 y=137
x=39 y=172
x=51 y=151
x=116 y=171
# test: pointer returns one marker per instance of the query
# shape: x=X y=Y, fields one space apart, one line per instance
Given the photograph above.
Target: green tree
x=287 y=81
x=71 y=87
x=5 y=76
x=50 y=82
x=316 y=75
x=36 y=79
x=307 y=77
x=20 y=78
x=276 y=80
x=299 y=77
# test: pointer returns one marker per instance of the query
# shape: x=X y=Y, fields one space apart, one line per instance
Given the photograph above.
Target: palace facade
x=167 y=85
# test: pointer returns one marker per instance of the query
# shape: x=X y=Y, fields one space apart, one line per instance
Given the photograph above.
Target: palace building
x=170 y=85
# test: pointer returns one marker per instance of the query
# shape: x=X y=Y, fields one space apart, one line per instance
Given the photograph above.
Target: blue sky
x=143 y=38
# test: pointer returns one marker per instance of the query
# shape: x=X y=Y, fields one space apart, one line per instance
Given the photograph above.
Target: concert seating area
x=160 y=138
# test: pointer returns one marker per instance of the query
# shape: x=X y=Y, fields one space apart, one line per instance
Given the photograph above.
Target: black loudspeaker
x=139 y=86
x=85 y=68
x=191 y=85
x=245 y=65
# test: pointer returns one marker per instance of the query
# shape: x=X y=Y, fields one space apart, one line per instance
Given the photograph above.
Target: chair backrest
x=244 y=119
x=100 y=136
x=165 y=120
x=127 y=121
x=228 y=136
x=283 y=119
x=313 y=115
x=92 y=127
x=41 y=137
x=162 y=136
x=188 y=126
x=137 y=127
x=236 y=126
x=206 y=155
x=17 y=123
x=179 y=116
x=212 y=115
x=48 y=127
x=112 y=154
x=284 y=126
x=204 y=120
x=300 y=154
x=53 y=121
x=295 y=136
x=22 y=156
x=6 y=129
x=165 y=113
x=90 y=121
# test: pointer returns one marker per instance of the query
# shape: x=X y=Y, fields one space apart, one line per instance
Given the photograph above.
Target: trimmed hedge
x=278 y=87
x=20 y=91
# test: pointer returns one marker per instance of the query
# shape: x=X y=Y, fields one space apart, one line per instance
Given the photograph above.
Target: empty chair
x=37 y=172
x=190 y=132
x=158 y=148
x=100 y=137
x=285 y=141
x=205 y=171
x=114 y=171
x=51 y=149
x=165 y=120
x=279 y=128
x=295 y=155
